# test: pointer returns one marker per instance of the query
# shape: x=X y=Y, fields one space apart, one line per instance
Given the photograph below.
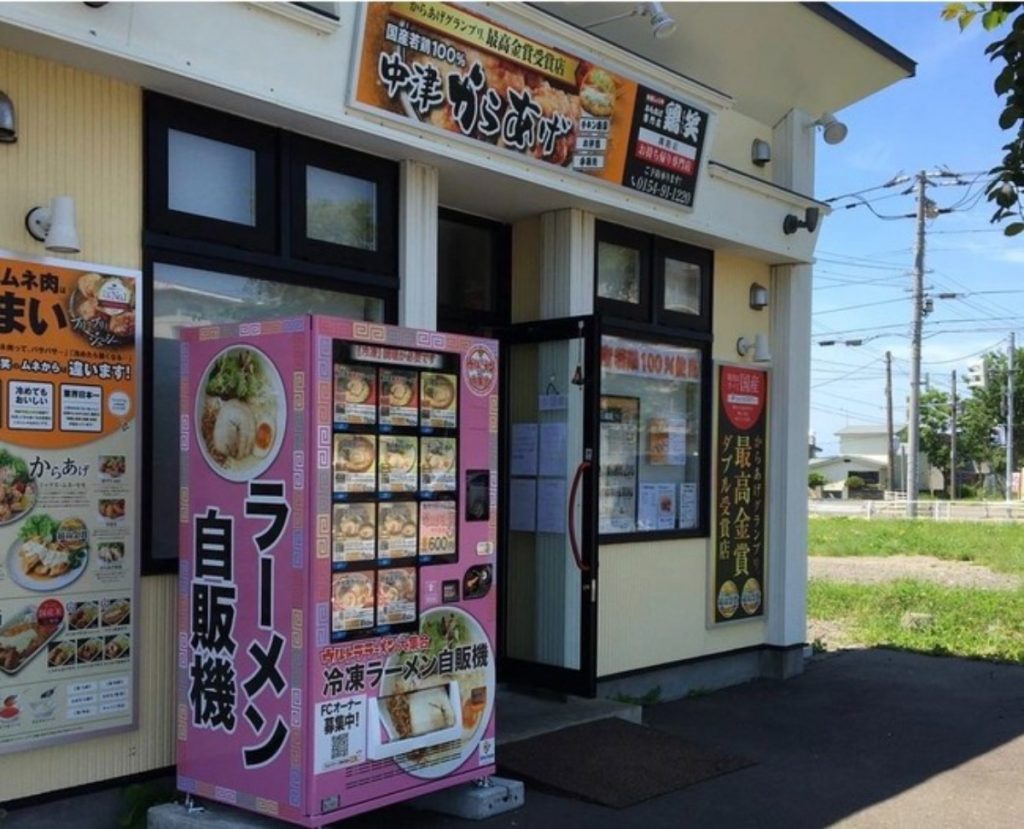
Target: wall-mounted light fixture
x=8 y=125
x=832 y=128
x=759 y=346
x=791 y=224
x=662 y=24
x=758 y=296
x=760 y=152
x=54 y=226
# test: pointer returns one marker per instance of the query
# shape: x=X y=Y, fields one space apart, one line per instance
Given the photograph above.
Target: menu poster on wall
x=741 y=463
x=444 y=68
x=617 y=489
x=68 y=501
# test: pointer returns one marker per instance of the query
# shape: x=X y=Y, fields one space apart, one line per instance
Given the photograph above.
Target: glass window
x=649 y=446
x=466 y=274
x=682 y=287
x=618 y=272
x=211 y=178
x=185 y=297
x=341 y=209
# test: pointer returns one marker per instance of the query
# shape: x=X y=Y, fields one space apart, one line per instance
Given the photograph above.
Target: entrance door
x=549 y=562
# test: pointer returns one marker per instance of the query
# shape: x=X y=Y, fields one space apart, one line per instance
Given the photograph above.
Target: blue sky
x=945 y=117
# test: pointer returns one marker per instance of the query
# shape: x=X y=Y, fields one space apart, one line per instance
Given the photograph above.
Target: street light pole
x=914 y=415
x=952 y=444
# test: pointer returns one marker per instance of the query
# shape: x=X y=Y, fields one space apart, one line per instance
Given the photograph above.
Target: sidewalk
x=864 y=738
x=870 y=738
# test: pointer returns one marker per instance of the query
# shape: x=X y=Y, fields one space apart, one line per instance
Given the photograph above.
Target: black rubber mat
x=613 y=762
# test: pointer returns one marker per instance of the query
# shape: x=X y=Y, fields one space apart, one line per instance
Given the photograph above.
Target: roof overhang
x=806 y=56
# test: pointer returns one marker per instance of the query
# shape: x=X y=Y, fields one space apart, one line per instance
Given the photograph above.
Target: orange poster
x=69 y=464
x=444 y=68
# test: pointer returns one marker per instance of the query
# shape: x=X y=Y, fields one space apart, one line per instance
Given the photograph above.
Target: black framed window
x=473 y=266
x=244 y=221
x=343 y=206
x=653 y=298
x=650 y=279
x=211 y=178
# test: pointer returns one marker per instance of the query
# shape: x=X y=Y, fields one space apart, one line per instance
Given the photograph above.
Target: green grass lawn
x=997 y=546
x=979 y=624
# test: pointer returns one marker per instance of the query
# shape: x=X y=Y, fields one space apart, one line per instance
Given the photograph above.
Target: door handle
x=573 y=545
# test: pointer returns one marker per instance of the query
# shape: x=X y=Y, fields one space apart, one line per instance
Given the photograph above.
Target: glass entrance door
x=549 y=564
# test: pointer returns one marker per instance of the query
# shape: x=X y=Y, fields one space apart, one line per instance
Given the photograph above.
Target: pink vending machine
x=337 y=596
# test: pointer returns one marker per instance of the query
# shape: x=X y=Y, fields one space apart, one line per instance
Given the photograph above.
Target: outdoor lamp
x=8 y=127
x=758 y=296
x=54 y=226
x=791 y=224
x=833 y=129
x=662 y=24
x=759 y=346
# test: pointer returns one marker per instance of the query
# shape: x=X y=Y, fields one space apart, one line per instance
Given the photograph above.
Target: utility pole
x=893 y=481
x=913 y=427
x=1009 y=417
x=952 y=445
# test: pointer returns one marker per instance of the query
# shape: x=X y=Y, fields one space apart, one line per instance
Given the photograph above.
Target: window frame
x=266 y=251
x=681 y=252
x=651 y=322
x=660 y=336
x=163 y=114
x=458 y=319
x=629 y=238
x=303 y=152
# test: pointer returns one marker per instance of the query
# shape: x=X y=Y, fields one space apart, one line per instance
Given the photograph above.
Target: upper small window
x=472 y=272
x=652 y=280
x=211 y=178
x=344 y=207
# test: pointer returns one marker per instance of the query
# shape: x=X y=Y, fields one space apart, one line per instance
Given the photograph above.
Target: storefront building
x=632 y=218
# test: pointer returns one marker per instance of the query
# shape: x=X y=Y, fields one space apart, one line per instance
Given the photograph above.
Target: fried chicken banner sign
x=68 y=500
x=444 y=68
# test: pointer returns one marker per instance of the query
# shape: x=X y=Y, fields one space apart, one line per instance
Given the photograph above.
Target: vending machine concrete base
x=337 y=583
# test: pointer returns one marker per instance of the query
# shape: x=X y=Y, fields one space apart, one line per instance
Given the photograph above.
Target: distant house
x=863 y=452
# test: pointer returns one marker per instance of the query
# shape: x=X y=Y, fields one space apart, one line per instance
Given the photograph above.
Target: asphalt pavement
x=864 y=738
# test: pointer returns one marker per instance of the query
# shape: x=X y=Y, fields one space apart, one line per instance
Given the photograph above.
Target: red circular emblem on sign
x=481 y=370
x=743 y=394
x=50 y=614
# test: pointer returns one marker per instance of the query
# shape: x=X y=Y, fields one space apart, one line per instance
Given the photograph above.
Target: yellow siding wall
x=653 y=599
x=80 y=134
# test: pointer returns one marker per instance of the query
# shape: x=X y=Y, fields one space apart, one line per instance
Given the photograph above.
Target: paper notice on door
x=553 y=438
x=522 y=504
x=523 y=452
x=551 y=514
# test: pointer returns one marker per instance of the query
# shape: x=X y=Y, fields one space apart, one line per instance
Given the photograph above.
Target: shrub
x=816 y=479
x=854 y=483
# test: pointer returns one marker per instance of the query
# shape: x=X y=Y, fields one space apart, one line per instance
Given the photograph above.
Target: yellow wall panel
x=80 y=134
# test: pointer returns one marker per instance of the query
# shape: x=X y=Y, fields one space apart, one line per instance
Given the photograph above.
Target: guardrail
x=925 y=510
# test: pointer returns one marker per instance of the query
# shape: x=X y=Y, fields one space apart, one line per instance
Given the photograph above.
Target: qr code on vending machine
x=339 y=746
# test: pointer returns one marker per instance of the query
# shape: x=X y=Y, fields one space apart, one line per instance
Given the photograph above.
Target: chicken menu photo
x=337 y=603
x=69 y=459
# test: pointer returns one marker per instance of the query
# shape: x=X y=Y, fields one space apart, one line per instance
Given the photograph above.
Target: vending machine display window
x=395 y=472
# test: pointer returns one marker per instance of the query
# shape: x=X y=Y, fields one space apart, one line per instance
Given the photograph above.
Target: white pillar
x=417 y=248
x=793 y=167
x=567 y=264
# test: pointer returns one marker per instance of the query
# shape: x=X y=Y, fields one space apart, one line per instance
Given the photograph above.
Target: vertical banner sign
x=741 y=463
x=242 y=544
x=69 y=511
x=441 y=67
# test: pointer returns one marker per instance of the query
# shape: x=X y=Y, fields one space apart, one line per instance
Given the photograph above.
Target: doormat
x=613 y=762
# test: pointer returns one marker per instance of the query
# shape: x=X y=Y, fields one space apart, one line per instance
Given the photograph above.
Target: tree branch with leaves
x=1007 y=179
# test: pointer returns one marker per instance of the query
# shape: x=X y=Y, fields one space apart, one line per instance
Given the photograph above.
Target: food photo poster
x=69 y=465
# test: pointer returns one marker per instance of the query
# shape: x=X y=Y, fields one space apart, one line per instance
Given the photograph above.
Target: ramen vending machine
x=337 y=597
